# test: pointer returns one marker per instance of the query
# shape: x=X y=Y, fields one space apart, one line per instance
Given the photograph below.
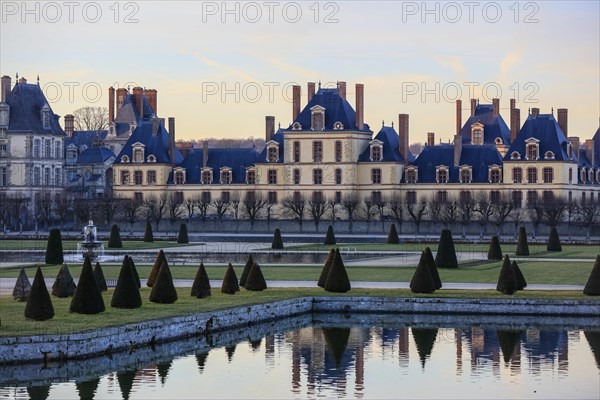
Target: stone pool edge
x=45 y=348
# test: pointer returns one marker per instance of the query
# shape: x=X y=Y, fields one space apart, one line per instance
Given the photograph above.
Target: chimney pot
x=138 y=94
x=296 y=93
x=172 y=139
x=496 y=104
x=69 y=124
x=457 y=150
x=4 y=88
x=473 y=107
x=121 y=95
x=513 y=104
x=458 y=116
x=403 y=129
x=430 y=138
x=151 y=95
x=360 y=98
x=22 y=80
x=111 y=104
x=342 y=89
x=311 y=91
x=563 y=120
x=589 y=151
x=269 y=127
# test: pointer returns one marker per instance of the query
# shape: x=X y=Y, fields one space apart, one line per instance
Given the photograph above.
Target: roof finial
x=382 y=122
x=392 y=124
x=552 y=110
x=38 y=80
x=319 y=84
x=337 y=84
x=280 y=125
x=17 y=76
x=529 y=111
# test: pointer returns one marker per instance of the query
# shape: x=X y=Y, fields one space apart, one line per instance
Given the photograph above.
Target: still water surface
x=337 y=358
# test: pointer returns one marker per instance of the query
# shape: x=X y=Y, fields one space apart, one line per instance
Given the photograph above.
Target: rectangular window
x=517 y=175
x=532 y=197
x=3 y=177
x=583 y=199
x=272 y=197
x=442 y=175
x=179 y=177
x=495 y=175
x=138 y=177
x=338 y=151
x=151 y=177
x=206 y=177
x=338 y=197
x=225 y=196
x=411 y=176
x=178 y=197
x=273 y=156
x=3 y=150
x=495 y=197
x=124 y=177
x=296 y=151
x=57 y=177
x=317 y=151
x=465 y=175
x=225 y=177
x=250 y=196
x=411 y=197
x=465 y=196
x=206 y=197
x=36 y=148
x=251 y=177
x=36 y=176
x=376 y=197
x=442 y=196
x=57 y=152
x=297 y=196
x=318 y=176
x=376 y=153
x=48 y=149
x=532 y=151
x=532 y=175
x=548 y=196
x=376 y=175
x=517 y=199
x=317 y=197
x=138 y=155
x=272 y=175
x=296 y=176
x=338 y=176
x=138 y=197
x=570 y=175
x=548 y=173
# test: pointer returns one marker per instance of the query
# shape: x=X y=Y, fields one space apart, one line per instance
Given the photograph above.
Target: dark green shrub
x=329 y=237
x=435 y=275
x=201 y=361
x=135 y=273
x=87 y=389
x=148 y=236
x=522 y=246
x=126 y=382
x=507 y=281
x=163 y=290
x=39 y=306
x=424 y=340
x=593 y=339
x=201 y=285
x=163 y=371
x=182 y=237
x=230 y=283
x=337 y=278
x=337 y=342
x=246 y=271
x=256 y=280
x=422 y=282
x=494 y=251
x=87 y=298
x=592 y=287
x=127 y=293
x=114 y=241
x=230 y=350
x=63 y=286
x=508 y=342
x=22 y=287
x=521 y=282
x=38 y=392
x=325 y=270
x=277 y=240
x=99 y=276
x=393 y=235
x=160 y=259
x=54 y=248
x=446 y=254
x=554 y=241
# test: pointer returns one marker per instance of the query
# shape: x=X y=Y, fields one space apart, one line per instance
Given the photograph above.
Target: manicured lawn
x=14 y=323
x=72 y=245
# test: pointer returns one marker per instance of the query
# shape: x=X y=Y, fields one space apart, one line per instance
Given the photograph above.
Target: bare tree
x=450 y=212
x=351 y=203
x=235 y=207
x=221 y=208
x=417 y=211
x=155 y=207
x=518 y=217
x=189 y=204
x=572 y=212
x=174 y=208
x=380 y=204
x=253 y=206
x=294 y=206
x=466 y=211
x=368 y=211
x=436 y=208
x=108 y=208
x=333 y=210
x=317 y=208
x=485 y=209
x=64 y=208
x=269 y=211
x=84 y=209
x=536 y=214
x=131 y=211
x=91 y=119
x=589 y=215
x=17 y=205
x=396 y=206
x=554 y=211
x=43 y=207
x=501 y=211
x=202 y=204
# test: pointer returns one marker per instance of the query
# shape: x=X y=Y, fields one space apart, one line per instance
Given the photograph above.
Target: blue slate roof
x=277 y=137
x=596 y=139
x=236 y=159
x=26 y=101
x=95 y=155
x=336 y=110
x=480 y=158
x=545 y=129
x=85 y=138
x=156 y=144
x=129 y=110
x=391 y=147
x=493 y=126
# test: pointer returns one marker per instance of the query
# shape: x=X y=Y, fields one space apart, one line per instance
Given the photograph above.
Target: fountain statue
x=90 y=246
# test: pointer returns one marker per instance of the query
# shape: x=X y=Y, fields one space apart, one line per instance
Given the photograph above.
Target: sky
x=221 y=67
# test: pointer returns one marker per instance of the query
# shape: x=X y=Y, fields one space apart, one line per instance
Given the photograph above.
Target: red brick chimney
x=535 y=112
x=151 y=95
x=138 y=94
x=69 y=124
x=360 y=104
x=496 y=103
x=457 y=150
x=589 y=150
x=204 y=153
x=513 y=104
x=5 y=83
x=311 y=91
x=342 y=89
x=473 y=107
x=458 y=116
x=296 y=93
x=172 y=139
x=563 y=119
x=430 y=138
x=111 y=104
x=121 y=95
x=269 y=127
x=403 y=135
x=515 y=124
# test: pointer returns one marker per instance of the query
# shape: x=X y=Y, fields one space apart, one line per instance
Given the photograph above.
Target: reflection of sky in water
x=368 y=363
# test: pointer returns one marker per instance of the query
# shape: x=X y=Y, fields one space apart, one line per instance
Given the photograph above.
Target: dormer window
x=251 y=176
x=549 y=155
x=495 y=174
x=46 y=116
x=515 y=155
x=412 y=175
x=338 y=126
x=441 y=173
x=591 y=175
x=132 y=126
x=206 y=177
x=570 y=151
x=477 y=133
x=179 y=176
x=151 y=158
x=532 y=149
x=138 y=153
x=466 y=174
x=124 y=159
x=225 y=176
x=376 y=151
x=296 y=126
x=317 y=118
x=272 y=151
x=583 y=175
x=498 y=141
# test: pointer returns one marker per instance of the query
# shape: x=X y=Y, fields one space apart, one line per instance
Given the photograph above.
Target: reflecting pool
x=341 y=356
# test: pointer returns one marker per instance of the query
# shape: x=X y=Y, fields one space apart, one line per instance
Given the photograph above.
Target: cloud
x=219 y=66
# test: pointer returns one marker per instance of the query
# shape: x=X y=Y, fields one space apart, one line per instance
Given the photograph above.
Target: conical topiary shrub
x=329 y=237
x=160 y=259
x=393 y=235
x=87 y=298
x=246 y=271
x=507 y=281
x=522 y=245
x=325 y=270
x=126 y=382
x=54 y=248
x=39 y=306
x=337 y=342
x=521 y=282
x=446 y=253
x=63 y=286
x=22 y=287
x=422 y=282
x=127 y=293
x=435 y=275
x=201 y=285
x=337 y=278
x=163 y=371
x=148 y=236
x=182 y=237
x=424 y=340
x=508 y=342
x=114 y=241
x=592 y=287
x=230 y=283
x=99 y=276
x=256 y=280
x=163 y=290
x=593 y=339
x=494 y=251
x=135 y=273
x=554 y=241
x=38 y=392
x=87 y=389
x=277 y=240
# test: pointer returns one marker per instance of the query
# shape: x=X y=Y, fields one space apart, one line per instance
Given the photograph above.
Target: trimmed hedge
x=22 y=287
x=148 y=236
x=393 y=235
x=99 y=276
x=230 y=283
x=422 y=282
x=39 y=305
x=329 y=237
x=201 y=285
x=592 y=287
x=325 y=270
x=507 y=281
x=508 y=342
x=521 y=282
x=114 y=241
x=160 y=259
x=256 y=280
x=337 y=341
x=494 y=251
x=446 y=253
x=554 y=241
x=163 y=290
x=182 y=237
x=435 y=275
x=135 y=274
x=127 y=293
x=64 y=285
x=277 y=240
x=54 y=248
x=337 y=278
x=87 y=298
x=522 y=245
x=424 y=341
x=246 y=271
